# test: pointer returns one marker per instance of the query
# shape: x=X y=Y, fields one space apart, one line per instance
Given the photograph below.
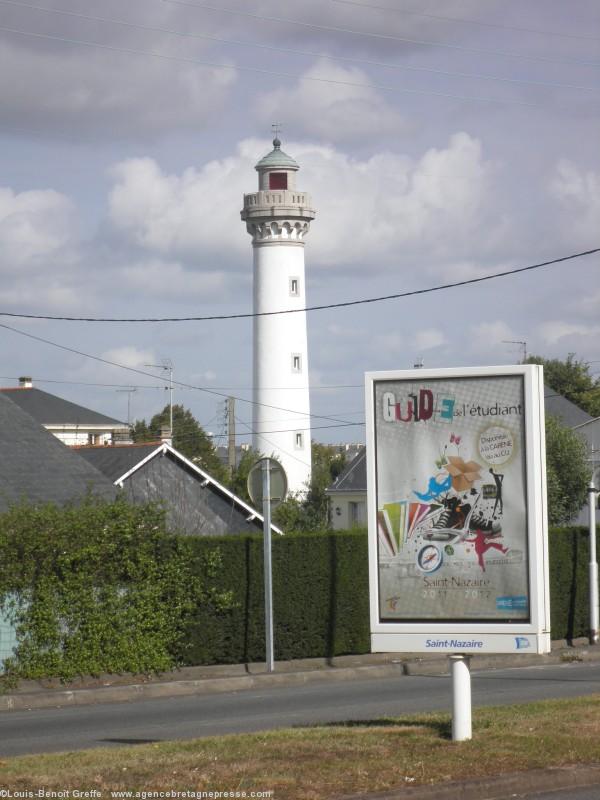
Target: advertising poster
x=451 y=499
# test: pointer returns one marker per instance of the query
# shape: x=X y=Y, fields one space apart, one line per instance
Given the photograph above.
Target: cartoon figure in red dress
x=482 y=545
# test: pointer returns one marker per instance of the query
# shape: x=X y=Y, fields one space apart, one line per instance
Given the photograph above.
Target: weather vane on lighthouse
x=278 y=217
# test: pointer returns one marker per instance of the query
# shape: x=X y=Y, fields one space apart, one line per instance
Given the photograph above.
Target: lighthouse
x=278 y=217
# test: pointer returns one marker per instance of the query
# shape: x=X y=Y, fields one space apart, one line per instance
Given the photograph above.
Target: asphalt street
x=76 y=728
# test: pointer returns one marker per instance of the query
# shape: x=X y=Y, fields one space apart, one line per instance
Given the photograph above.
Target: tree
x=572 y=379
x=238 y=483
x=567 y=472
x=188 y=437
x=311 y=512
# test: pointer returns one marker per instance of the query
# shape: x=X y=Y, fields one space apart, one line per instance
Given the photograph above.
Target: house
x=69 y=422
x=37 y=468
x=348 y=494
x=195 y=503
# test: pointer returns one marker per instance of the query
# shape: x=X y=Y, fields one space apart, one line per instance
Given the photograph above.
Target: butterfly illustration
x=454 y=439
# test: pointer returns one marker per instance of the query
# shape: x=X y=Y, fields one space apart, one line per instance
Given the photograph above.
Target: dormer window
x=278 y=180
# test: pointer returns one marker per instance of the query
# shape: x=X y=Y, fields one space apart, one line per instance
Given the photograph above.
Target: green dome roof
x=277 y=159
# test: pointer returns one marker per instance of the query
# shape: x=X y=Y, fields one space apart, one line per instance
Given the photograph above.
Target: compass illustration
x=429 y=558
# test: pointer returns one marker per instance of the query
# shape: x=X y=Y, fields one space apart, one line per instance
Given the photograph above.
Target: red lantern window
x=278 y=180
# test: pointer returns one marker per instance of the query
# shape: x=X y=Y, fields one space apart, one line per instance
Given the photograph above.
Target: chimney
x=165 y=435
x=25 y=382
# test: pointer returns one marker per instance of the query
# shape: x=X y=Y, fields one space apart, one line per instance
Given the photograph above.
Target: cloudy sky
x=440 y=141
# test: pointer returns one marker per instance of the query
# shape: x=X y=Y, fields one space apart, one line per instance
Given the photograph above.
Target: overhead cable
x=345 y=304
x=262 y=71
x=463 y=21
x=109 y=363
x=387 y=36
x=290 y=51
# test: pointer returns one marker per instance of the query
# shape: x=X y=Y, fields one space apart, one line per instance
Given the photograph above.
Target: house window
x=296 y=362
x=299 y=440
x=294 y=287
x=278 y=180
x=356 y=513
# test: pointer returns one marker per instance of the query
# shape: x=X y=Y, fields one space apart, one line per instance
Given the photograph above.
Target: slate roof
x=353 y=477
x=38 y=468
x=48 y=409
x=558 y=406
x=194 y=501
x=116 y=461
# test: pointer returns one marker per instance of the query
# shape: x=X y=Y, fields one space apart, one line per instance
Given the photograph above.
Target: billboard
x=457 y=518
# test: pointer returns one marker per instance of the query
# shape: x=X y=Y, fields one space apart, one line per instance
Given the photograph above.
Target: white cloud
x=34 y=226
x=183 y=215
x=490 y=337
x=578 y=192
x=377 y=212
x=332 y=102
x=557 y=330
x=428 y=339
x=130 y=356
x=74 y=89
x=169 y=280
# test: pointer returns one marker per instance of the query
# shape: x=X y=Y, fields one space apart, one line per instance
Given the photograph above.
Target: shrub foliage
x=96 y=588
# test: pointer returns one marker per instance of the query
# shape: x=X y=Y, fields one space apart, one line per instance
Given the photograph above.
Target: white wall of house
x=73 y=436
x=348 y=510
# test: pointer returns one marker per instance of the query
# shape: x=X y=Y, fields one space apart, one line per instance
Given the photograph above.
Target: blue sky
x=123 y=161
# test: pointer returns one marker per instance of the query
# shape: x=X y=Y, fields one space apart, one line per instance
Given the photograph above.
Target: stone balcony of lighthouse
x=277 y=204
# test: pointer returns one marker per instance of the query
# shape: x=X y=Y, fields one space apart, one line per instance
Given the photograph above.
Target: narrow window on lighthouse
x=296 y=362
x=298 y=440
x=294 y=287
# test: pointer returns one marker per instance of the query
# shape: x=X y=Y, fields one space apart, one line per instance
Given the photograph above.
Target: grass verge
x=328 y=760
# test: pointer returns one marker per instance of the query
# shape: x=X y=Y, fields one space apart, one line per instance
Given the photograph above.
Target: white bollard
x=461 y=698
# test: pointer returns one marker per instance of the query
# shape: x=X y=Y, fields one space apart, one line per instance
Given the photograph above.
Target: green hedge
x=569 y=582
x=102 y=587
x=320 y=596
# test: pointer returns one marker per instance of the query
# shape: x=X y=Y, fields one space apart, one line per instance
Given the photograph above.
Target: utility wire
x=175 y=383
x=386 y=36
x=290 y=51
x=162 y=386
x=464 y=21
x=262 y=71
x=347 y=303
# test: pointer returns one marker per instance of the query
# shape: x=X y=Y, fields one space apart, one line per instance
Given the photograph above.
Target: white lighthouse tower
x=278 y=218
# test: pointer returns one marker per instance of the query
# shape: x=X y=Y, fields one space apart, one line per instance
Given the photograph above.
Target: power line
x=347 y=303
x=262 y=71
x=326 y=387
x=150 y=375
x=386 y=36
x=313 y=54
x=481 y=23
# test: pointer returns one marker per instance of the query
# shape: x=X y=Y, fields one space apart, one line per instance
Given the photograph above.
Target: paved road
x=586 y=793
x=189 y=717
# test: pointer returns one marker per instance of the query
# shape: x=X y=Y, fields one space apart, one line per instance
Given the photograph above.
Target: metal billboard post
x=267 y=484
x=266 y=491
x=593 y=566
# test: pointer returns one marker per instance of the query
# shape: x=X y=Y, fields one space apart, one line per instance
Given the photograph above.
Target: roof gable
x=132 y=458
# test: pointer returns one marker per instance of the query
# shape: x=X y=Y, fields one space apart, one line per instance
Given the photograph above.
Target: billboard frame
x=471 y=637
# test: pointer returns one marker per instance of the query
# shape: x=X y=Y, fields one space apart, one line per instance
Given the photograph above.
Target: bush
x=94 y=588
